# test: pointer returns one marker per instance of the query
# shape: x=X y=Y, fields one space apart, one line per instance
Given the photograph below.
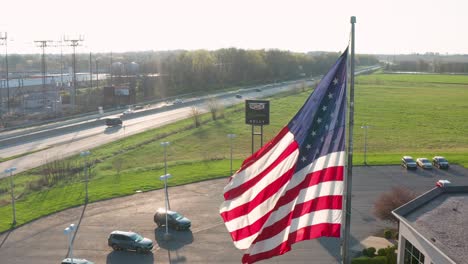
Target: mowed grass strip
x=411 y=117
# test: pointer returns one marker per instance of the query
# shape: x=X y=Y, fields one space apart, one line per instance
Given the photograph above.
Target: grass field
x=418 y=115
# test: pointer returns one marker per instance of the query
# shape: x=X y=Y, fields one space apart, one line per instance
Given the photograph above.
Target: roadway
x=61 y=141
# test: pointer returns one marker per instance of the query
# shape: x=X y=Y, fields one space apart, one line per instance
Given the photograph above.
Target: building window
x=412 y=254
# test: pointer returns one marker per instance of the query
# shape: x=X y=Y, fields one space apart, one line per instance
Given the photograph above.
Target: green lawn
x=418 y=115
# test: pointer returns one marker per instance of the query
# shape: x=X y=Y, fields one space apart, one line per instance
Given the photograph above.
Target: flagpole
x=349 y=171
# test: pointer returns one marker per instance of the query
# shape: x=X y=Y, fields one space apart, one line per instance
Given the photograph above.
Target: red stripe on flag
x=314 y=178
x=332 y=202
x=239 y=190
x=266 y=193
x=328 y=174
x=306 y=233
x=265 y=149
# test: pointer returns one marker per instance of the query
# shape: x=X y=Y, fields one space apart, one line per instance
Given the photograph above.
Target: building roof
x=441 y=217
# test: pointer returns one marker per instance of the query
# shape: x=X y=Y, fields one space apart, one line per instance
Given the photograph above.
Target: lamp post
x=231 y=137
x=165 y=144
x=365 y=143
x=85 y=154
x=69 y=232
x=164 y=178
x=10 y=171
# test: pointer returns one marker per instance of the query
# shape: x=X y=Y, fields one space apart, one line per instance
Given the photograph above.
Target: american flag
x=292 y=188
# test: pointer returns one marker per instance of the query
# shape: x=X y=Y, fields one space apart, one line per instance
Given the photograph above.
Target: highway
x=60 y=140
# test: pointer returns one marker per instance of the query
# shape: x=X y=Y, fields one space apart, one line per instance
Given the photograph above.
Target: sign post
x=257 y=113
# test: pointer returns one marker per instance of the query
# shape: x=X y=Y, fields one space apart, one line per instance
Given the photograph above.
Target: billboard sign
x=257 y=112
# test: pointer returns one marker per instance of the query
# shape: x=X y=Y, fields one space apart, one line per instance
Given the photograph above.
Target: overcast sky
x=394 y=26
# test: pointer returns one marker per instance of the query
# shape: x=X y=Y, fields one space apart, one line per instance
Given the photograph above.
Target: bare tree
x=216 y=108
x=195 y=115
x=391 y=200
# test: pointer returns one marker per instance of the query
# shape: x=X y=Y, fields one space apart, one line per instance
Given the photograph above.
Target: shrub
x=391 y=200
x=388 y=233
x=367 y=260
x=371 y=251
x=381 y=252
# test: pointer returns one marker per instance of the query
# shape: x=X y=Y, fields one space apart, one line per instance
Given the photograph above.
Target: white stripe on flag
x=305 y=195
x=263 y=162
x=323 y=216
x=331 y=160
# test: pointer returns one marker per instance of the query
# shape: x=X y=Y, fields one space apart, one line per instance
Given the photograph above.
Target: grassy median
x=418 y=115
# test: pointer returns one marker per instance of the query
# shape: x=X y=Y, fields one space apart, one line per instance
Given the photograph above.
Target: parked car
x=408 y=163
x=76 y=261
x=113 y=121
x=120 y=240
x=424 y=163
x=440 y=162
x=174 y=220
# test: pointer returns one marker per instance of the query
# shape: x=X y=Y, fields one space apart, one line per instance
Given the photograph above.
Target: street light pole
x=85 y=154
x=69 y=232
x=231 y=137
x=365 y=143
x=165 y=144
x=10 y=171
x=164 y=178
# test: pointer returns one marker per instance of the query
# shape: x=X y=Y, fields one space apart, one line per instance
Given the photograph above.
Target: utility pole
x=43 y=44
x=97 y=73
x=90 y=71
x=111 y=80
x=74 y=43
x=4 y=37
x=61 y=64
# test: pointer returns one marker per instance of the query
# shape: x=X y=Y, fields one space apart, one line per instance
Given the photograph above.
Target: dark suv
x=113 y=121
x=130 y=241
x=408 y=163
x=440 y=162
x=174 y=219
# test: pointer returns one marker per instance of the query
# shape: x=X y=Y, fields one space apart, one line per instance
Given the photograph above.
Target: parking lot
x=43 y=240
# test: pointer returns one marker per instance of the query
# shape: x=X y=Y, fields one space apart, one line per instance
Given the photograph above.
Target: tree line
x=428 y=66
x=183 y=71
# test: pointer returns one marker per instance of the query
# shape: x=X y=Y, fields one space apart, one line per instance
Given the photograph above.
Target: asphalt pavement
x=43 y=240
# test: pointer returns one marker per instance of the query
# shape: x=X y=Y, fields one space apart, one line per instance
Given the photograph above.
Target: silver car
x=424 y=163
x=76 y=261
x=119 y=240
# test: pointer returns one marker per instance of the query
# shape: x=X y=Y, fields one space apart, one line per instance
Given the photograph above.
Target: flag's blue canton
x=319 y=127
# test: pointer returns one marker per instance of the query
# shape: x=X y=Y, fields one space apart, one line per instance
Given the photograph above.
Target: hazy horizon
x=383 y=27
